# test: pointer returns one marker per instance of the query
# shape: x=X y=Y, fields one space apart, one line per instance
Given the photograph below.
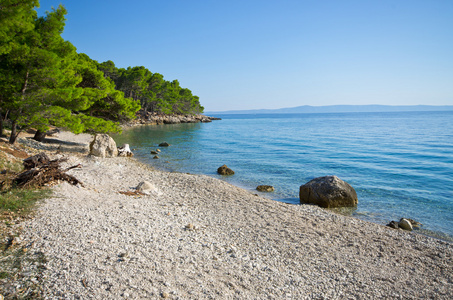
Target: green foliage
x=43 y=82
x=16 y=18
x=154 y=93
x=104 y=100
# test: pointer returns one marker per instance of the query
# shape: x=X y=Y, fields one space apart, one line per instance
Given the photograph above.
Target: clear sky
x=251 y=54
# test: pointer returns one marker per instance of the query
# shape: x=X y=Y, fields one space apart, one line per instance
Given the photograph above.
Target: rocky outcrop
x=125 y=151
x=328 y=192
x=265 y=188
x=164 y=144
x=160 y=119
x=103 y=146
x=224 y=170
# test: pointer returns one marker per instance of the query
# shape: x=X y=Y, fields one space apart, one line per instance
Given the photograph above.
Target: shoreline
x=250 y=186
x=199 y=237
x=161 y=119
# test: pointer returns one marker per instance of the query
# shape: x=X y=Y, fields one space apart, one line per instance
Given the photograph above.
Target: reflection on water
x=345 y=211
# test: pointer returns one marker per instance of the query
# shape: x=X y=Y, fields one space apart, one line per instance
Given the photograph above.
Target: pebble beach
x=197 y=237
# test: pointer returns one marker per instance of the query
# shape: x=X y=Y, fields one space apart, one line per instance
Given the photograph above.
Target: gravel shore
x=196 y=237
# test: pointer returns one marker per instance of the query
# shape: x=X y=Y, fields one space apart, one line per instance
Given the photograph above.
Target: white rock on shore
x=100 y=244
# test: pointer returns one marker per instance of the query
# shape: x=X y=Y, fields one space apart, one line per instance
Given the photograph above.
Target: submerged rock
x=224 y=170
x=265 y=188
x=328 y=192
x=164 y=144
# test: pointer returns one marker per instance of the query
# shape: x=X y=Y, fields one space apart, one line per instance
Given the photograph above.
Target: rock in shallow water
x=328 y=192
x=265 y=188
x=393 y=224
x=224 y=170
x=405 y=224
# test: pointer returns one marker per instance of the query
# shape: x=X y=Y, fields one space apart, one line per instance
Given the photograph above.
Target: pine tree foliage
x=154 y=92
x=16 y=18
x=44 y=81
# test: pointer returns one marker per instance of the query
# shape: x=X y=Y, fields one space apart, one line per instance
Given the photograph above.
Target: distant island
x=338 y=109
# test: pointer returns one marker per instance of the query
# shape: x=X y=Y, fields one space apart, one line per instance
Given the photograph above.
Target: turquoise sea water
x=400 y=164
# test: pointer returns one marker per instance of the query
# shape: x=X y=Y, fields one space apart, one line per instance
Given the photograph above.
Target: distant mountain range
x=338 y=109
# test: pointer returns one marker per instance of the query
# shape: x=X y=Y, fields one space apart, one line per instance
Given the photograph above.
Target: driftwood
x=40 y=170
x=132 y=193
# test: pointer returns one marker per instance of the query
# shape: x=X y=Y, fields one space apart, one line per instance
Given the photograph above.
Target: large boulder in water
x=328 y=192
x=104 y=146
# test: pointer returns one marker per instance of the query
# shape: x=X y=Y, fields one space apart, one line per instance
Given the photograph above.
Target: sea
x=399 y=163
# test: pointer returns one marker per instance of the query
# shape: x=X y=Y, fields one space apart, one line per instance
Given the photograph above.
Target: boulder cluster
x=405 y=224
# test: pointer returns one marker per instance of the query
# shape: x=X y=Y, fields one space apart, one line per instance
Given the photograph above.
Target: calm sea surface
x=400 y=164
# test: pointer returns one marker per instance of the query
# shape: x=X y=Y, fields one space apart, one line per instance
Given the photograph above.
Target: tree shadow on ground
x=60 y=142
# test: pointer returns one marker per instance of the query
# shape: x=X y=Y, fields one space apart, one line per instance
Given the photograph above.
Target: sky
x=267 y=54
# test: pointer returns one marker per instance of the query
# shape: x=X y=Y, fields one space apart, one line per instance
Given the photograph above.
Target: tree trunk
x=1 y=124
x=40 y=136
x=24 y=87
x=14 y=133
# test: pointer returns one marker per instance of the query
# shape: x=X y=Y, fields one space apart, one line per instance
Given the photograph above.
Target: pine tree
x=43 y=82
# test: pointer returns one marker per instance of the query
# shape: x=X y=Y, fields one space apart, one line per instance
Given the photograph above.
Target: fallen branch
x=40 y=170
x=130 y=193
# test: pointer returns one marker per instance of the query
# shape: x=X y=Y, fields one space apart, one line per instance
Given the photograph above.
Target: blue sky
x=254 y=54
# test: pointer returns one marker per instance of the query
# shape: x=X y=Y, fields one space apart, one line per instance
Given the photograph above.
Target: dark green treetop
x=154 y=92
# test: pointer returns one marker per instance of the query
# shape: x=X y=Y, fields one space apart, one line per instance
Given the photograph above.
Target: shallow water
x=401 y=164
